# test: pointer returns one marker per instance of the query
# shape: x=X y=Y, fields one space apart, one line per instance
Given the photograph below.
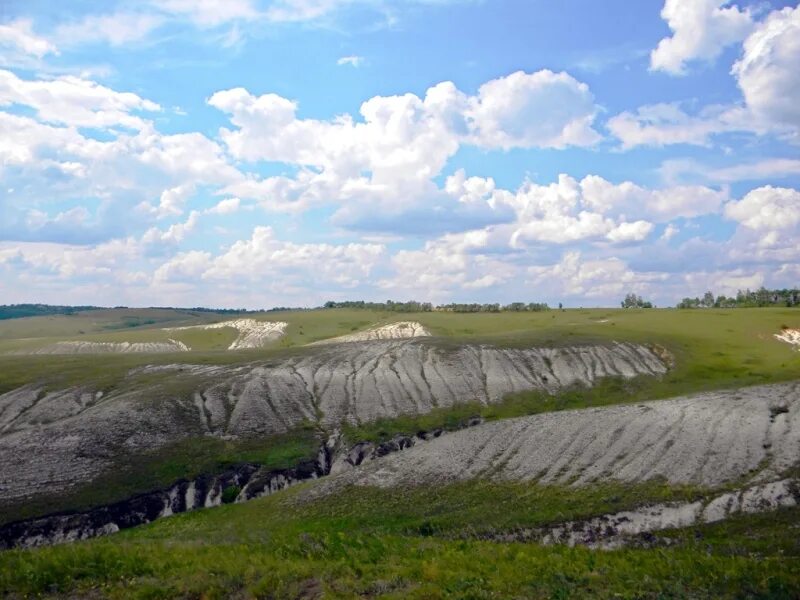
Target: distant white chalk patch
x=790 y=336
x=401 y=329
x=76 y=347
x=252 y=333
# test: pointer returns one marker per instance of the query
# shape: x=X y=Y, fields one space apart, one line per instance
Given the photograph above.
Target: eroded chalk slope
x=708 y=439
x=53 y=440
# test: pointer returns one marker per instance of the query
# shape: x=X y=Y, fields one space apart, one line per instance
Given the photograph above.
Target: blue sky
x=253 y=153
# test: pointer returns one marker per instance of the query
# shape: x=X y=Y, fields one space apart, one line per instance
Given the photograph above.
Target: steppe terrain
x=342 y=453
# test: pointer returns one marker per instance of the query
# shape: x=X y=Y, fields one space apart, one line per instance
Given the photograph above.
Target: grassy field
x=414 y=543
x=149 y=325
x=417 y=543
x=713 y=348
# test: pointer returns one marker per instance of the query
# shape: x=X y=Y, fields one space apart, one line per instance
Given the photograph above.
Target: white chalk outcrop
x=252 y=333
x=617 y=529
x=790 y=336
x=392 y=331
x=709 y=439
x=74 y=347
x=51 y=440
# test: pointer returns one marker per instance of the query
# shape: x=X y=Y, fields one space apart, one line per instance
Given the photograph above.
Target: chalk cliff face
x=750 y=437
x=708 y=440
x=53 y=440
x=247 y=481
x=637 y=526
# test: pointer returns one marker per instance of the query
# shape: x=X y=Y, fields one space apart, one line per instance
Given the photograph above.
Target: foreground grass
x=401 y=544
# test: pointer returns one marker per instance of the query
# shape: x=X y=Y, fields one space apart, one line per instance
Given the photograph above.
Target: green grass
x=98 y=321
x=767 y=534
x=607 y=391
x=104 y=371
x=714 y=348
x=415 y=543
x=407 y=543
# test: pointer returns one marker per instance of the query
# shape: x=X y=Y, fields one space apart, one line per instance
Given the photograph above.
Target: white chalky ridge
x=252 y=333
x=709 y=439
x=615 y=530
x=399 y=330
x=54 y=439
x=78 y=347
x=790 y=336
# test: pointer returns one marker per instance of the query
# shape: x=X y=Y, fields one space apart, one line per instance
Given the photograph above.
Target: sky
x=261 y=153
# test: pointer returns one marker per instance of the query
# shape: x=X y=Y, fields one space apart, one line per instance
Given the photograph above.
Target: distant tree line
x=745 y=299
x=18 y=311
x=202 y=309
x=410 y=306
x=469 y=308
x=513 y=307
x=634 y=301
x=414 y=306
x=229 y=311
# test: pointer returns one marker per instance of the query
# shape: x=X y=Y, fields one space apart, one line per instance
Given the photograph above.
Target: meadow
x=417 y=542
x=713 y=347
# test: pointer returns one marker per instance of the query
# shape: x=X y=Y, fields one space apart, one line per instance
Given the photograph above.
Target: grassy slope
x=714 y=349
x=418 y=543
x=103 y=371
x=377 y=543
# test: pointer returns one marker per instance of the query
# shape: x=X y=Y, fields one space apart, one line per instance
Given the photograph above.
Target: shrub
x=230 y=493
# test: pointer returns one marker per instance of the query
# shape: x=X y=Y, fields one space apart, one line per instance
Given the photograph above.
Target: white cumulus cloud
x=400 y=143
x=767 y=208
x=75 y=101
x=352 y=60
x=18 y=36
x=527 y=110
x=701 y=29
x=668 y=123
x=768 y=72
x=225 y=207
